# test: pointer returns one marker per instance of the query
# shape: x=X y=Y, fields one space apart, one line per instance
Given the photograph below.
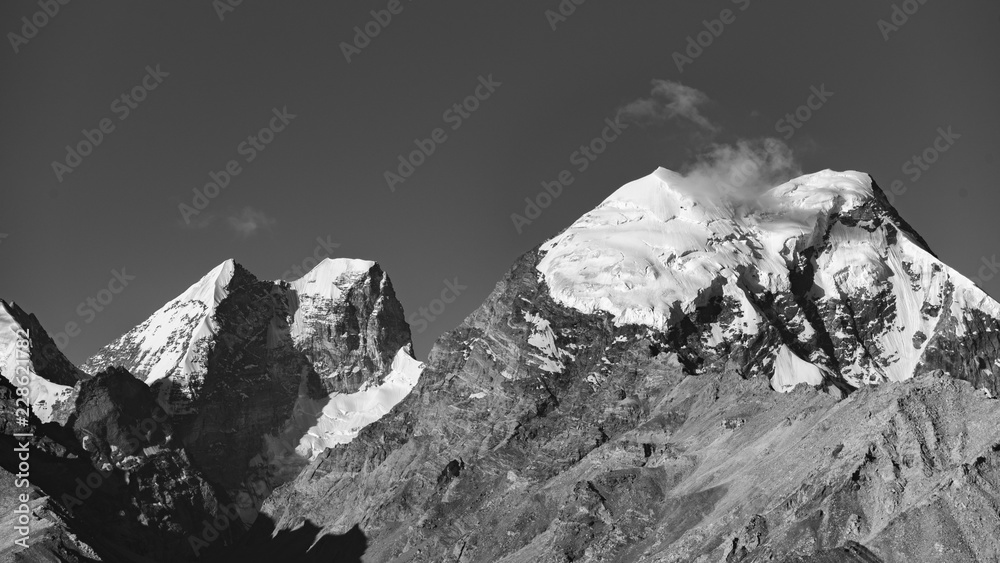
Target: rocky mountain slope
x=614 y=399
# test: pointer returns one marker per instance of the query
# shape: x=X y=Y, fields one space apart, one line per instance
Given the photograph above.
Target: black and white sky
x=182 y=91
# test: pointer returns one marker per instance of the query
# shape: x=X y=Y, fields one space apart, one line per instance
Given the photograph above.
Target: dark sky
x=323 y=174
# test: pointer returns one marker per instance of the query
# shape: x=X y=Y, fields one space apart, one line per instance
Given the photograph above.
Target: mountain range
x=682 y=374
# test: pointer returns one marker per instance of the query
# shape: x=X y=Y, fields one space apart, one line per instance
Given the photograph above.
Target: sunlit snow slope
x=173 y=342
x=338 y=418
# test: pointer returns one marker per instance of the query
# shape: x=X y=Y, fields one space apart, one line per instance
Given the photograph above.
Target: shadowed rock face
x=116 y=418
x=274 y=346
x=253 y=379
x=538 y=433
x=305 y=544
x=110 y=485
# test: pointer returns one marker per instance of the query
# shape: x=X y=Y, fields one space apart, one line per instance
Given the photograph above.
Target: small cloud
x=737 y=172
x=248 y=221
x=744 y=170
x=669 y=100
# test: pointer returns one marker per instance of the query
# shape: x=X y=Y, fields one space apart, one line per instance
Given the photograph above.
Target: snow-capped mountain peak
x=331 y=273
x=172 y=342
x=822 y=261
x=210 y=289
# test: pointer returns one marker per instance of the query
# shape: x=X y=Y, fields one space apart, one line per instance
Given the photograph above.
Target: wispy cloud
x=247 y=221
x=744 y=170
x=738 y=171
x=667 y=101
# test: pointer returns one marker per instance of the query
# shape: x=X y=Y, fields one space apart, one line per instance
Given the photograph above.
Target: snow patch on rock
x=338 y=419
x=544 y=339
x=791 y=370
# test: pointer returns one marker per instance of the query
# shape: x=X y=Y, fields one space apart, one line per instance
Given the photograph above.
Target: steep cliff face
x=252 y=380
x=614 y=398
x=348 y=322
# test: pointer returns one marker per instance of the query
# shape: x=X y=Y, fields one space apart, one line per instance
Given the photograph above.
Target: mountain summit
x=815 y=281
x=171 y=343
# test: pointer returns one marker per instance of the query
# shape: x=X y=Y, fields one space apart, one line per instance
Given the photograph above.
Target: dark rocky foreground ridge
x=538 y=433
